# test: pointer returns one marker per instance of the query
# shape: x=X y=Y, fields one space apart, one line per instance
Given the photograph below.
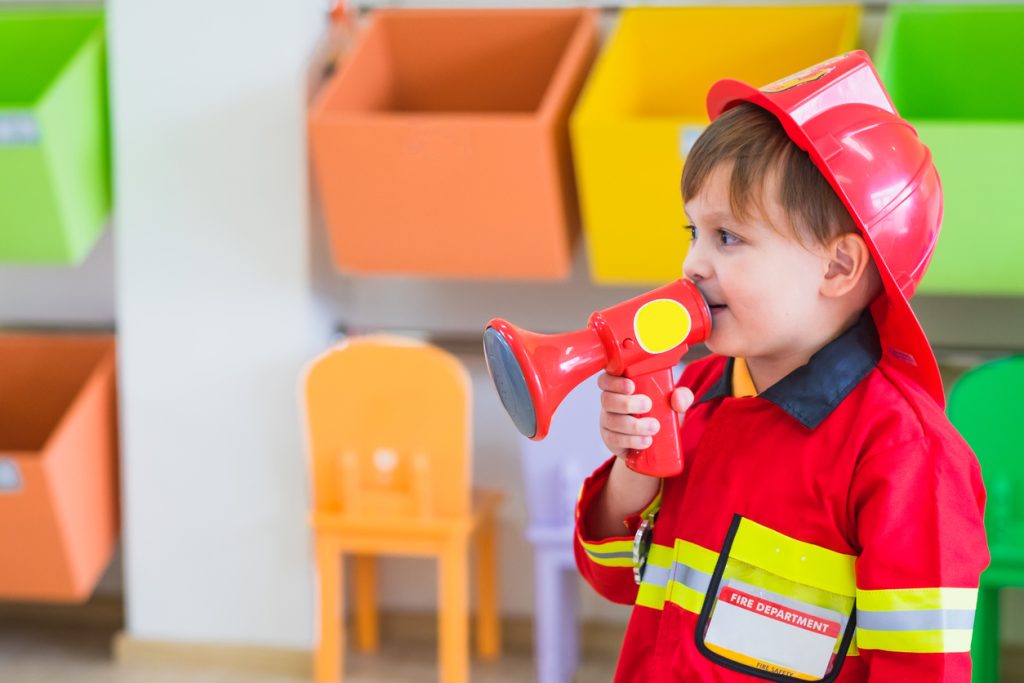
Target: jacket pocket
x=778 y=608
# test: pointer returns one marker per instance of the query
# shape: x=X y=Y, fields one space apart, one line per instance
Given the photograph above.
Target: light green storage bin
x=55 y=193
x=955 y=72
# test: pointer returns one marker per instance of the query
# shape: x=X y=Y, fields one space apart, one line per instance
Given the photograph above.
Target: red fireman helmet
x=840 y=114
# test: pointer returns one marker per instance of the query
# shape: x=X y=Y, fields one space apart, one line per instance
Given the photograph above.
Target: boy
x=827 y=524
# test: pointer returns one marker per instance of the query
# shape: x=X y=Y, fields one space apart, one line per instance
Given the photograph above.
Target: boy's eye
x=727 y=239
x=693 y=231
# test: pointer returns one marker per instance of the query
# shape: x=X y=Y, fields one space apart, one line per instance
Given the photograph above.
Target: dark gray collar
x=810 y=393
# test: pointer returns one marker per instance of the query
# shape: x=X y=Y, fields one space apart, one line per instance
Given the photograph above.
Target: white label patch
x=766 y=634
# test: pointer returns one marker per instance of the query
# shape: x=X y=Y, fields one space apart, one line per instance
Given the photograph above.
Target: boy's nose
x=695 y=266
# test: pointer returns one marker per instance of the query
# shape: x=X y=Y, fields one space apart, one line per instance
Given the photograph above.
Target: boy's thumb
x=682 y=399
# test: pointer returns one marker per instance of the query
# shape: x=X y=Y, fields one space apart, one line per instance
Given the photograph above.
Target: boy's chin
x=722 y=347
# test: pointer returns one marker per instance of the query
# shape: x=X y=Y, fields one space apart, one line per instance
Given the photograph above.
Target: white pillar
x=215 y=315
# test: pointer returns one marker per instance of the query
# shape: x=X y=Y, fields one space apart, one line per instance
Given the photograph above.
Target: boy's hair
x=756 y=144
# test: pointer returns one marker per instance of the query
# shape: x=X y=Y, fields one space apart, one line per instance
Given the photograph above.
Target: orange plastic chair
x=388 y=423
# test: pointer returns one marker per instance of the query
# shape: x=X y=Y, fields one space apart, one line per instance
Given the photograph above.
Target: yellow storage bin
x=644 y=104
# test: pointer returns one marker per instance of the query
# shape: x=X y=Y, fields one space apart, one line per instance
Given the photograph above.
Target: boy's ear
x=848 y=257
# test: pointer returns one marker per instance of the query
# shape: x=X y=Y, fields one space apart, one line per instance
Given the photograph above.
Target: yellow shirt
x=742 y=383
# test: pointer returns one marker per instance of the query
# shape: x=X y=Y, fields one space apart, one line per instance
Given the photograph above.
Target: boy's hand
x=620 y=431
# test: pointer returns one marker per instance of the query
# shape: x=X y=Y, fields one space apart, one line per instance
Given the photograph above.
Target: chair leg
x=985 y=642
x=453 y=645
x=555 y=638
x=570 y=618
x=328 y=659
x=488 y=624
x=367 y=628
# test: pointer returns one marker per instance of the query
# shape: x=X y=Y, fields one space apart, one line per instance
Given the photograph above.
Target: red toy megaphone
x=642 y=338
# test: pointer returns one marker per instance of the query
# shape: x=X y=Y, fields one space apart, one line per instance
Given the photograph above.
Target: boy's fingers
x=628 y=425
x=682 y=399
x=624 y=404
x=620 y=443
x=615 y=384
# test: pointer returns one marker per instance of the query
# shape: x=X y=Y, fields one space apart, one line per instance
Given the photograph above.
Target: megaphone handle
x=664 y=457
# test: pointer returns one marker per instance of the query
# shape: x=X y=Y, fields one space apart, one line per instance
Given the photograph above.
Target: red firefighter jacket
x=838 y=504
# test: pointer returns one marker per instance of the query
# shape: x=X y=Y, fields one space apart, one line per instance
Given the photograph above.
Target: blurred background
x=199 y=197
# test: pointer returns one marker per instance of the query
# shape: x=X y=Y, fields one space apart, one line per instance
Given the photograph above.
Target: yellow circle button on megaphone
x=661 y=325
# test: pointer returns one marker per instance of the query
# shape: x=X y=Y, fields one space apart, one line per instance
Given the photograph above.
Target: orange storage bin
x=58 y=465
x=441 y=146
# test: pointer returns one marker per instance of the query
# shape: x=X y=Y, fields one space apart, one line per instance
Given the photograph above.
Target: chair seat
x=416 y=533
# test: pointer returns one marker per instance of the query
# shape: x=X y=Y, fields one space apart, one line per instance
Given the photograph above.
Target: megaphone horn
x=534 y=372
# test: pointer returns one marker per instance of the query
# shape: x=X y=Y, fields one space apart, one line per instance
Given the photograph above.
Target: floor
x=33 y=653
x=50 y=652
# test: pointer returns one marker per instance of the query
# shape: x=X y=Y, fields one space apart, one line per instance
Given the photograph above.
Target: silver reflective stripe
x=916 y=620
x=690 y=577
x=678 y=572
x=610 y=556
x=656 y=576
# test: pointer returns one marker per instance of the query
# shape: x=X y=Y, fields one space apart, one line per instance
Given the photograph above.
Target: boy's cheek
x=714 y=345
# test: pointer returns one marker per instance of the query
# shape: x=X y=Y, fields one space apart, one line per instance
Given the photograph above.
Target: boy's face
x=762 y=284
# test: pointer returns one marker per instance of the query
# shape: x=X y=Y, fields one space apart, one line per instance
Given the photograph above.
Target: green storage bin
x=55 y=188
x=954 y=71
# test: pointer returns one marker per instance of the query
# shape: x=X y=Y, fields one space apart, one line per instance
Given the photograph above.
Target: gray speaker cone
x=509 y=381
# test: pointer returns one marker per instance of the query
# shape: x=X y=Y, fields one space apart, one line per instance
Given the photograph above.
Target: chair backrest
x=554 y=468
x=389 y=429
x=987 y=406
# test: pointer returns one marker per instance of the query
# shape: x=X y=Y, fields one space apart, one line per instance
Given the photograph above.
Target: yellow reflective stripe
x=655 y=505
x=660 y=555
x=619 y=552
x=696 y=556
x=898 y=599
x=650 y=596
x=795 y=560
x=616 y=553
x=677 y=593
x=682 y=595
x=683 y=554
x=894 y=612
x=950 y=640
